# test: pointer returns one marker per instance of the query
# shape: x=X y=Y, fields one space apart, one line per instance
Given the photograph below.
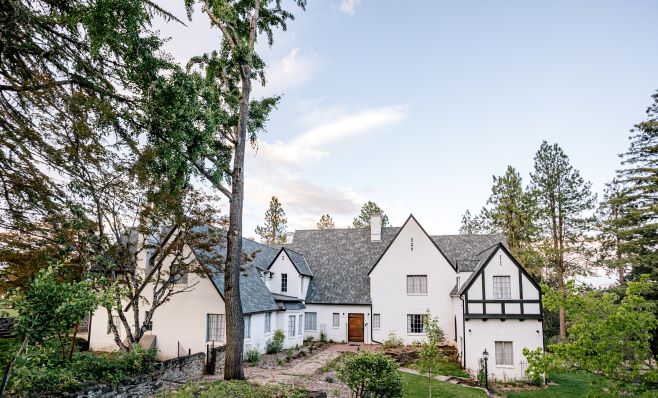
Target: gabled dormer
x=290 y=274
x=500 y=288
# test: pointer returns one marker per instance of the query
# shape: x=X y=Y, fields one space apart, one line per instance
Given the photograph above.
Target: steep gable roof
x=297 y=259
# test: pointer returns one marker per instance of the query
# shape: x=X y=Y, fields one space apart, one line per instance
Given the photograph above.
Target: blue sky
x=415 y=105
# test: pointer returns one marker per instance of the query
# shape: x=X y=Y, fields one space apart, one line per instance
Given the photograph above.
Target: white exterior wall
x=388 y=285
x=283 y=265
x=325 y=314
x=282 y=324
x=481 y=335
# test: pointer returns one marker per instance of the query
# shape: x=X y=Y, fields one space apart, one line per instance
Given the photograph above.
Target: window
x=376 y=321
x=214 y=327
x=301 y=324
x=416 y=284
x=336 y=322
x=247 y=326
x=117 y=322
x=504 y=353
x=179 y=277
x=284 y=282
x=311 y=321
x=149 y=325
x=291 y=325
x=502 y=287
x=149 y=254
x=416 y=323
x=268 y=322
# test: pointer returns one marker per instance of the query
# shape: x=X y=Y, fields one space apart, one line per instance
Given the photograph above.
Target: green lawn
x=448 y=368
x=416 y=387
x=571 y=385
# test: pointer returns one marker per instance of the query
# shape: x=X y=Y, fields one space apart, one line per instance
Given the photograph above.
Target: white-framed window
x=117 y=323
x=215 y=327
x=311 y=321
x=504 y=353
x=416 y=284
x=178 y=276
x=268 y=322
x=300 y=324
x=291 y=325
x=336 y=320
x=247 y=326
x=416 y=323
x=284 y=282
x=502 y=287
x=376 y=321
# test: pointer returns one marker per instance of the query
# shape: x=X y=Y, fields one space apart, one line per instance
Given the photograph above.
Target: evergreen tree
x=610 y=216
x=326 y=222
x=471 y=225
x=363 y=219
x=274 y=230
x=563 y=199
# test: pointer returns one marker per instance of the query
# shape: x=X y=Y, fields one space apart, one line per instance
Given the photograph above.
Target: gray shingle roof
x=341 y=259
x=299 y=261
x=481 y=259
x=254 y=294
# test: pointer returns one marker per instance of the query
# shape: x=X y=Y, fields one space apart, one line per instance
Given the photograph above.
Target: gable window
x=301 y=324
x=336 y=320
x=215 y=327
x=247 y=326
x=376 y=321
x=268 y=322
x=504 y=355
x=284 y=282
x=416 y=284
x=149 y=325
x=117 y=323
x=311 y=321
x=179 y=277
x=291 y=325
x=502 y=288
x=416 y=323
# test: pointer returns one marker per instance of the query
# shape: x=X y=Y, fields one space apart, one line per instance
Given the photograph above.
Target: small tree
x=369 y=209
x=372 y=375
x=326 y=222
x=471 y=225
x=430 y=356
x=274 y=230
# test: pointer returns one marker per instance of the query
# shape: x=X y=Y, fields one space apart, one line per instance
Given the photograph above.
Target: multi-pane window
x=336 y=319
x=504 y=354
x=247 y=326
x=415 y=323
x=178 y=276
x=502 y=288
x=416 y=284
x=268 y=322
x=149 y=325
x=291 y=325
x=311 y=321
x=284 y=282
x=301 y=324
x=117 y=323
x=376 y=321
x=215 y=327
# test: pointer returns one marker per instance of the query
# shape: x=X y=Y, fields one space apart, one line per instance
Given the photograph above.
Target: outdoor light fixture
x=485 y=356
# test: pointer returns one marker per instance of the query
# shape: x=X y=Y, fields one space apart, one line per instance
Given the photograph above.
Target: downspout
x=464 y=333
x=371 y=316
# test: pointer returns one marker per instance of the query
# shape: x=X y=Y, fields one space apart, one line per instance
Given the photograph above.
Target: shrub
x=323 y=336
x=275 y=344
x=393 y=341
x=371 y=375
x=539 y=364
x=252 y=356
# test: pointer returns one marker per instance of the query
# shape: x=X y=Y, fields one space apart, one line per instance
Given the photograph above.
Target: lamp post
x=485 y=355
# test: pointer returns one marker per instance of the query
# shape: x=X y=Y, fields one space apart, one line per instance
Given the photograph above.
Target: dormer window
x=284 y=283
x=502 y=287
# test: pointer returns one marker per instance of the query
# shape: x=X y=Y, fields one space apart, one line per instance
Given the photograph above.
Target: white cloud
x=293 y=70
x=348 y=6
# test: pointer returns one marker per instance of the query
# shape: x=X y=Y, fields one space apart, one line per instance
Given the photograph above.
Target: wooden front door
x=355 y=328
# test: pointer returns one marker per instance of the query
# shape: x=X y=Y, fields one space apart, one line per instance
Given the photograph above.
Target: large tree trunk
x=234 y=321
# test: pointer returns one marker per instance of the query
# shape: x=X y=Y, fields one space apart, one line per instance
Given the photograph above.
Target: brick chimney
x=375 y=228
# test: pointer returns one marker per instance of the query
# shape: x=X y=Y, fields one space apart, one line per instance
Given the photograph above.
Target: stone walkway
x=305 y=367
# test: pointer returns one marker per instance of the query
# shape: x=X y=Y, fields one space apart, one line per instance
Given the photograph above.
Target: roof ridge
x=482 y=251
x=341 y=229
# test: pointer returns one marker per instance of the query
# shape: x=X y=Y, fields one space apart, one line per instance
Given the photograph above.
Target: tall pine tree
x=274 y=230
x=610 y=219
x=563 y=200
x=362 y=220
x=326 y=222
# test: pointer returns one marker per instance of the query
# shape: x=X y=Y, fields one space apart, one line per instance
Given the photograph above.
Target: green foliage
x=42 y=369
x=471 y=225
x=274 y=230
x=392 y=341
x=607 y=335
x=371 y=375
x=275 y=344
x=323 y=336
x=234 y=389
x=539 y=365
x=326 y=222
x=430 y=357
x=415 y=387
x=566 y=385
x=362 y=220
x=252 y=356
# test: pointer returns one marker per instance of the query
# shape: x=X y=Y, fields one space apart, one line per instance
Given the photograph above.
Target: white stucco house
x=360 y=285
